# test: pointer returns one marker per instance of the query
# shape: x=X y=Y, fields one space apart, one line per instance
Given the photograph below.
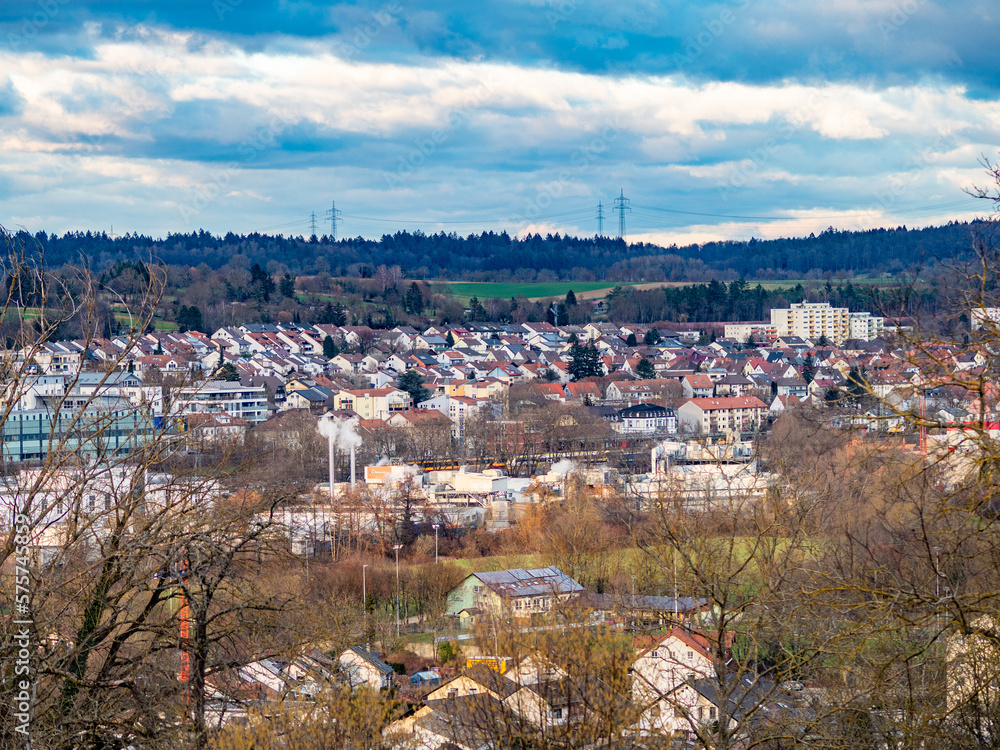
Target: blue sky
x=717 y=120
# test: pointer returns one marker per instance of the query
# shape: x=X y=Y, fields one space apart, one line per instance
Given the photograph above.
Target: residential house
x=698 y=385
x=663 y=674
x=646 y=419
x=518 y=592
x=373 y=403
x=365 y=669
x=709 y=415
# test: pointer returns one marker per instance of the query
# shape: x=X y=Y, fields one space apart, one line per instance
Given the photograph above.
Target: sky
x=736 y=119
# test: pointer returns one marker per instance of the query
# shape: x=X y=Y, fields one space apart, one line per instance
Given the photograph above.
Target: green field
x=466 y=290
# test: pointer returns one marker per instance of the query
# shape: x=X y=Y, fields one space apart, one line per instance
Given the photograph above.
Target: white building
x=763 y=333
x=980 y=316
x=865 y=326
x=663 y=677
x=364 y=668
x=246 y=402
x=646 y=419
x=811 y=320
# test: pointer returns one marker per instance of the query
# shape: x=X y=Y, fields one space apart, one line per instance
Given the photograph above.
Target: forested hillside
x=499 y=257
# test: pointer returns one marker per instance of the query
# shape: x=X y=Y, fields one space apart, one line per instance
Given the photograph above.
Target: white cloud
x=120 y=111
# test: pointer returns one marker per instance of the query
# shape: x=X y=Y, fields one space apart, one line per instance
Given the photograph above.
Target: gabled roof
x=372 y=658
x=519 y=582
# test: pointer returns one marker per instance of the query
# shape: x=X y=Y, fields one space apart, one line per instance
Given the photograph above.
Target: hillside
x=498 y=257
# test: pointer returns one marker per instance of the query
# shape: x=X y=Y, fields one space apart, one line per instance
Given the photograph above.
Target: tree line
x=497 y=256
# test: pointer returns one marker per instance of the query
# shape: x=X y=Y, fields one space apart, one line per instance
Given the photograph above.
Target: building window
x=556 y=713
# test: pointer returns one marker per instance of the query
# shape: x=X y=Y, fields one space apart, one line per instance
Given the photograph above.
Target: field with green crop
x=466 y=290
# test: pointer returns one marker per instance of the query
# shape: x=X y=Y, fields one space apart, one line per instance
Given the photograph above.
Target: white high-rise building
x=865 y=326
x=812 y=320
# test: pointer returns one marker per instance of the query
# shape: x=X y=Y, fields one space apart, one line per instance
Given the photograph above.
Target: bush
x=446 y=652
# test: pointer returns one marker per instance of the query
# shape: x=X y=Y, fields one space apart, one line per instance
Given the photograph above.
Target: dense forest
x=211 y=281
x=500 y=257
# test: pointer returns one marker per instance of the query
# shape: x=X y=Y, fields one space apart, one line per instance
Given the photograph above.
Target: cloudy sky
x=732 y=119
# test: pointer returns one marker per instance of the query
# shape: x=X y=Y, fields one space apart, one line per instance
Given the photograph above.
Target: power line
x=312 y=224
x=334 y=218
x=600 y=219
x=391 y=220
x=621 y=206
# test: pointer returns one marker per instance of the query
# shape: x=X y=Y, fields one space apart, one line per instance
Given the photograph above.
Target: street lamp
x=937 y=573
x=436 y=527
x=364 y=598
x=675 y=587
x=397 y=548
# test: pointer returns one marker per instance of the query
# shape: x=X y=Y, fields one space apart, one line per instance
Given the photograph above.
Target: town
x=533 y=375
x=521 y=493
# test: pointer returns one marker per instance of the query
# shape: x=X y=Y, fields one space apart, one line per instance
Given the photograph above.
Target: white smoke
x=564 y=467
x=401 y=473
x=341 y=431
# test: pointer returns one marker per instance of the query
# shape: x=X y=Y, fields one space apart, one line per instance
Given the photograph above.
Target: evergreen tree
x=189 y=318
x=228 y=373
x=411 y=382
x=652 y=337
x=823 y=341
x=809 y=370
x=631 y=340
x=477 y=313
x=570 y=298
x=413 y=300
x=330 y=348
x=449 y=339
x=262 y=286
x=586 y=361
x=286 y=287
x=857 y=385
x=339 y=315
x=645 y=369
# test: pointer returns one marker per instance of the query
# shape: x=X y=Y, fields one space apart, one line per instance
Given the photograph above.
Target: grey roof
x=372 y=658
x=684 y=604
x=641 y=411
x=519 y=582
x=110 y=379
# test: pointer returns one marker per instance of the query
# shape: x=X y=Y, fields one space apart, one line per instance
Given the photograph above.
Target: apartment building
x=373 y=403
x=762 y=333
x=812 y=320
x=708 y=415
x=865 y=326
x=235 y=399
